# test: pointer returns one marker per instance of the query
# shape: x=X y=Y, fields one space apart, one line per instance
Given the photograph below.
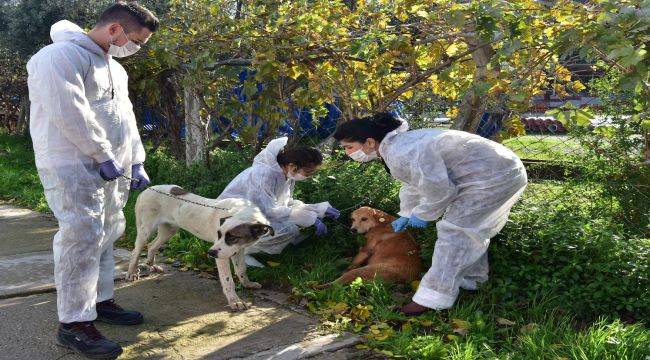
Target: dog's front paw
x=132 y=275
x=156 y=269
x=238 y=305
x=252 y=285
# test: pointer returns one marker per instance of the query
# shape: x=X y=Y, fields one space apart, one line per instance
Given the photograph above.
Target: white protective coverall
x=266 y=186
x=473 y=181
x=81 y=116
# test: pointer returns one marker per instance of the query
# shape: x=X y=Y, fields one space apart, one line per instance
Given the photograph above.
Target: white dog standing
x=231 y=224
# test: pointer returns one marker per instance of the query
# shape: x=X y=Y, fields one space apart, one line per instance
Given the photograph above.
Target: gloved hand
x=400 y=224
x=138 y=173
x=321 y=229
x=416 y=222
x=109 y=170
x=332 y=213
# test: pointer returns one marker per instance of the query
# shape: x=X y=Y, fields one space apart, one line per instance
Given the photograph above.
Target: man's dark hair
x=131 y=15
x=301 y=156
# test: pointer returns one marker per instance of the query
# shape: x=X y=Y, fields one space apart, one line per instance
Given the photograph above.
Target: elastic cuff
x=433 y=299
x=303 y=218
x=406 y=214
x=321 y=208
x=104 y=157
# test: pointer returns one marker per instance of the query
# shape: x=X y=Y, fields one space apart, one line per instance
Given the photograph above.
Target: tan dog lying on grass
x=387 y=255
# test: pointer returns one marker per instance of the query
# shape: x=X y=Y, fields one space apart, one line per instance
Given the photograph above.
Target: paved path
x=26 y=265
x=186 y=315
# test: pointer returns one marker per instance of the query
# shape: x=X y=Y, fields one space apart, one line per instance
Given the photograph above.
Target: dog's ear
x=258 y=230
x=382 y=217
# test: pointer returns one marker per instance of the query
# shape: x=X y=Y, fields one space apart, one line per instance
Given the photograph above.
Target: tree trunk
x=196 y=129
x=22 y=128
x=474 y=104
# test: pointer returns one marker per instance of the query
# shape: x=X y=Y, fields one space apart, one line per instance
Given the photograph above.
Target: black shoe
x=84 y=339
x=109 y=312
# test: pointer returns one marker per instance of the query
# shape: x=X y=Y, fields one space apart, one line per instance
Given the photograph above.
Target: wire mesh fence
x=556 y=159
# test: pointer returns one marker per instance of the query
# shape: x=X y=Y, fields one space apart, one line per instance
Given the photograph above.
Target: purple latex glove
x=139 y=176
x=332 y=213
x=109 y=170
x=321 y=229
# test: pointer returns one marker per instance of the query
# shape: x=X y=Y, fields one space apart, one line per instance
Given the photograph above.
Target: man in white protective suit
x=86 y=143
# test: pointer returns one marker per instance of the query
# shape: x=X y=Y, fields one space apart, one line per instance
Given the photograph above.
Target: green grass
x=543 y=147
x=19 y=182
x=566 y=272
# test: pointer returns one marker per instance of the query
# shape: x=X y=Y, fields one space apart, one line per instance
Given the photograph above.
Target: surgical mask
x=297 y=176
x=125 y=50
x=361 y=156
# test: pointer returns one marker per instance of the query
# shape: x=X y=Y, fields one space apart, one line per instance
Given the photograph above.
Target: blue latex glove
x=400 y=224
x=139 y=176
x=109 y=170
x=332 y=213
x=321 y=229
x=416 y=222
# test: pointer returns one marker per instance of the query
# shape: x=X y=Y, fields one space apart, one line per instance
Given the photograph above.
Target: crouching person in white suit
x=269 y=183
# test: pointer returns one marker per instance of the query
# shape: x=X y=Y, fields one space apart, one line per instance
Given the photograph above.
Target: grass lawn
x=568 y=281
x=543 y=147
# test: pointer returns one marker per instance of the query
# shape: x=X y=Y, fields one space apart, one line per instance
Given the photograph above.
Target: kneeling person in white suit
x=270 y=183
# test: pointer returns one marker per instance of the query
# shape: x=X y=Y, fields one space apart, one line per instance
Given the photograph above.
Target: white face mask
x=125 y=50
x=297 y=176
x=361 y=156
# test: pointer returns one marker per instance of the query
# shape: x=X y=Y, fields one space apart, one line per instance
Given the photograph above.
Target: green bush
x=572 y=246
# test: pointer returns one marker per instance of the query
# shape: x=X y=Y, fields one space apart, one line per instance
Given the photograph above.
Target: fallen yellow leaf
x=505 y=322
x=273 y=264
x=415 y=284
x=460 y=324
x=451 y=337
x=527 y=329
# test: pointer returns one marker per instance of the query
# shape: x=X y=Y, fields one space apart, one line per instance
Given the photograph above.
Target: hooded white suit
x=474 y=182
x=81 y=116
x=266 y=185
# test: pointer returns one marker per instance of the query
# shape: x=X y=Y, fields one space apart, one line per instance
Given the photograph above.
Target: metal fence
x=559 y=169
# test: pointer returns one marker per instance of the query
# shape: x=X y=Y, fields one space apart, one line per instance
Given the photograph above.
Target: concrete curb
x=308 y=348
x=33 y=273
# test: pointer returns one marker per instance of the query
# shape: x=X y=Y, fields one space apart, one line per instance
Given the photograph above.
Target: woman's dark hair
x=374 y=127
x=301 y=156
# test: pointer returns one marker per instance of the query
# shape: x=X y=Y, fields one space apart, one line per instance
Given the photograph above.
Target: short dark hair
x=301 y=156
x=371 y=127
x=131 y=15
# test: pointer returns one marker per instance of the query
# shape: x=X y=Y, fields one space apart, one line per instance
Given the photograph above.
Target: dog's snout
x=213 y=253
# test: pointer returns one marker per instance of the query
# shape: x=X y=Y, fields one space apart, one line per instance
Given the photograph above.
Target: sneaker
x=84 y=339
x=109 y=312
x=251 y=261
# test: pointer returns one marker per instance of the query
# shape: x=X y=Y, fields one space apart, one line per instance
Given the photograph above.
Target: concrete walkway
x=26 y=264
x=186 y=315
